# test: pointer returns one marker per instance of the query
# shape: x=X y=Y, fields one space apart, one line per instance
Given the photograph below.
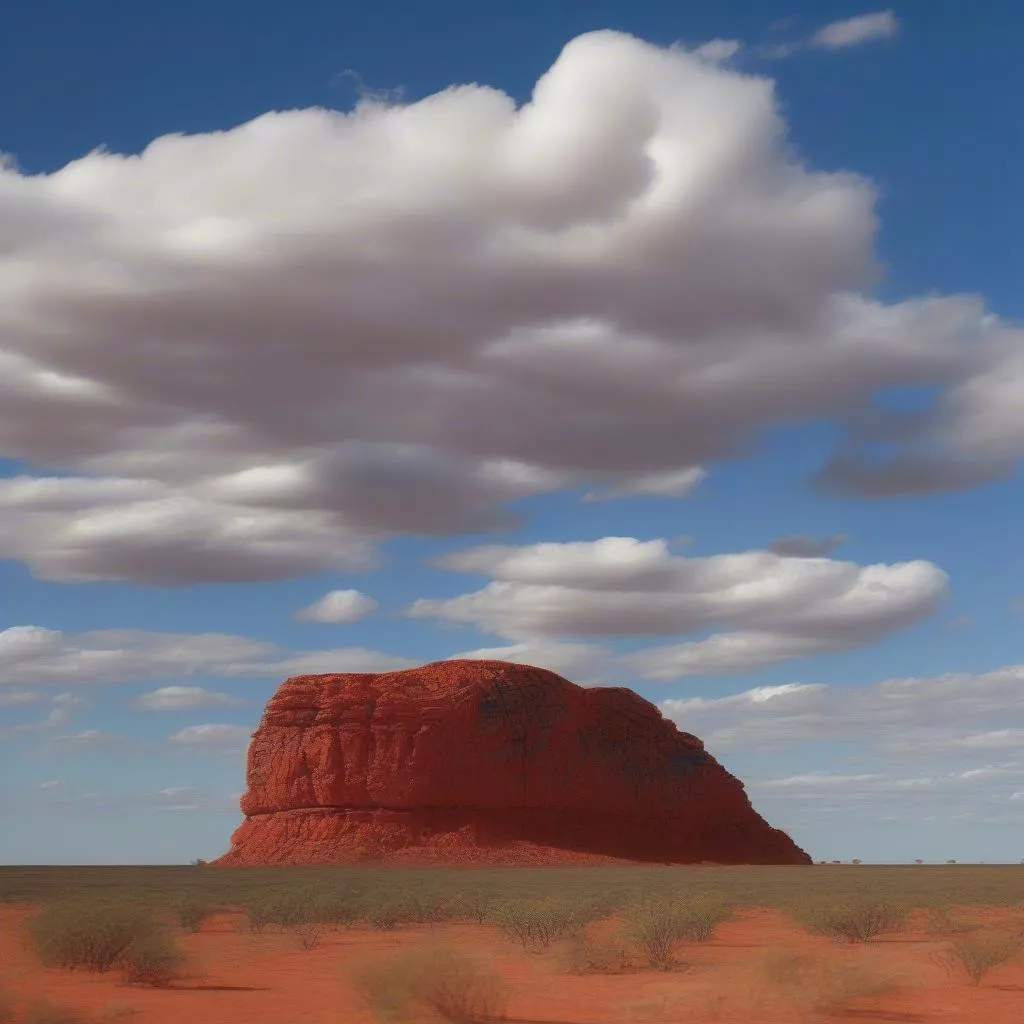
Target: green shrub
x=854 y=921
x=535 y=923
x=192 y=912
x=152 y=959
x=284 y=909
x=977 y=955
x=89 y=934
x=469 y=904
x=335 y=908
x=655 y=927
x=387 y=911
x=656 y=922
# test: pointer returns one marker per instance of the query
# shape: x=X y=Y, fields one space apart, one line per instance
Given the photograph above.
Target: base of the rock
x=533 y=837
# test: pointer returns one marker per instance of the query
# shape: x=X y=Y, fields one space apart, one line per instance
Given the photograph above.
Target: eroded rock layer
x=486 y=762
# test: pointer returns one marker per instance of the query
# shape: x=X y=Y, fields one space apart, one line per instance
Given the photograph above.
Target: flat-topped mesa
x=486 y=762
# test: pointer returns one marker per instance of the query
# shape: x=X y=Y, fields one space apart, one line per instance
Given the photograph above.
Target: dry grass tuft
x=431 y=983
x=978 y=954
x=827 y=986
x=584 y=953
x=942 y=922
x=536 y=923
x=153 y=960
x=853 y=921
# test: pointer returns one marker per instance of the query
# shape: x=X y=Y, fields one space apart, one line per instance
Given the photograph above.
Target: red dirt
x=241 y=978
x=485 y=762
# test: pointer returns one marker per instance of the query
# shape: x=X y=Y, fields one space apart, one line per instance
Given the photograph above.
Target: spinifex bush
x=657 y=923
x=597 y=954
x=823 y=985
x=191 y=912
x=432 y=983
x=854 y=920
x=92 y=934
x=283 y=909
x=152 y=959
x=655 y=927
x=469 y=904
x=387 y=912
x=978 y=954
x=942 y=922
x=535 y=923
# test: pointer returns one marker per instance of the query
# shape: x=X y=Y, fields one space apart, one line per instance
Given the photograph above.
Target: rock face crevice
x=486 y=762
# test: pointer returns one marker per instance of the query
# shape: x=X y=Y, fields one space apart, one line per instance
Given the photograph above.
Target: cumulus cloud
x=865 y=28
x=774 y=607
x=59 y=716
x=949 y=715
x=585 y=664
x=338 y=606
x=185 y=698
x=34 y=655
x=801 y=546
x=256 y=353
x=214 y=738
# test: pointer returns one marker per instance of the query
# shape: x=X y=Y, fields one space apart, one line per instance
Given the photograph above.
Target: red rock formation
x=486 y=762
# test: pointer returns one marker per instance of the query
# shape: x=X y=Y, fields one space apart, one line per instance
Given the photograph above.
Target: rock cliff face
x=490 y=763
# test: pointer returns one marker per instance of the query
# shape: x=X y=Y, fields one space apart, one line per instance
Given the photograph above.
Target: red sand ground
x=242 y=978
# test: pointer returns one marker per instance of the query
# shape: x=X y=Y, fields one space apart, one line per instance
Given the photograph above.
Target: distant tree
x=856 y=860
x=950 y=861
x=199 y=863
x=837 y=862
x=918 y=861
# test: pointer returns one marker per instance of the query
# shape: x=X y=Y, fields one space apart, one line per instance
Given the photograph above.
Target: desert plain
x=817 y=944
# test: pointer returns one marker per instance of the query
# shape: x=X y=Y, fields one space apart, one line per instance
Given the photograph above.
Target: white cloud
x=51 y=784
x=983 y=797
x=718 y=50
x=173 y=792
x=215 y=738
x=88 y=738
x=585 y=664
x=864 y=28
x=17 y=698
x=774 y=607
x=338 y=606
x=185 y=698
x=677 y=484
x=34 y=655
x=59 y=716
x=257 y=353
x=950 y=716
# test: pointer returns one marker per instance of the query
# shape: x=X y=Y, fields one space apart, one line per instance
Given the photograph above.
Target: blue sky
x=668 y=347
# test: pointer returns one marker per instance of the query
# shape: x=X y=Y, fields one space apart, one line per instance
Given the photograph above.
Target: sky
x=668 y=346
